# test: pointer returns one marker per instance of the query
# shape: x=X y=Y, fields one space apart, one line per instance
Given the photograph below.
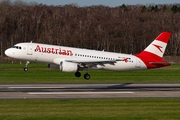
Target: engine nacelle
x=68 y=66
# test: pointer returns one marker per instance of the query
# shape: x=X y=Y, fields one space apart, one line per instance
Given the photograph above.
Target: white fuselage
x=54 y=54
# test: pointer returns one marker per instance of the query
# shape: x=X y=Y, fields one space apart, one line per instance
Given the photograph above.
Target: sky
x=111 y=3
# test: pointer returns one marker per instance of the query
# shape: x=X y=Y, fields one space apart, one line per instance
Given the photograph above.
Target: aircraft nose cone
x=7 y=52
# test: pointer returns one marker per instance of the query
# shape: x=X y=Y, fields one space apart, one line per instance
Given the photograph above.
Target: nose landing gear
x=26 y=67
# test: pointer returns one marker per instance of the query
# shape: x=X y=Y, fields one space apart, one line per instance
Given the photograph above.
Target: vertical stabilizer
x=158 y=46
x=152 y=55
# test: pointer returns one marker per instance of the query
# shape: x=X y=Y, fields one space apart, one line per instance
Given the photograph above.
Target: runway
x=89 y=91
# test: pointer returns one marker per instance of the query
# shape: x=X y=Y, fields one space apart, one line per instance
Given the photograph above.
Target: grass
x=122 y=109
x=39 y=73
x=96 y=109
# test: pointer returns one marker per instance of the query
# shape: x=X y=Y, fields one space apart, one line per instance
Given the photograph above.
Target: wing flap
x=86 y=62
x=91 y=61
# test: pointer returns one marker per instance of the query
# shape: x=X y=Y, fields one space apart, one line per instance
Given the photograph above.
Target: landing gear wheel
x=77 y=74
x=87 y=76
x=25 y=69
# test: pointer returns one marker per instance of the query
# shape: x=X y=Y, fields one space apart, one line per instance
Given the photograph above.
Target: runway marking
x=69 y=93
x=34 y=87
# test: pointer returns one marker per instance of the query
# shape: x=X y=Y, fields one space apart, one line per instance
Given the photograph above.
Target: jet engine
x=68 y=66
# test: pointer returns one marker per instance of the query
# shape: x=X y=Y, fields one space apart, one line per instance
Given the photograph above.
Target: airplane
x=71 y=59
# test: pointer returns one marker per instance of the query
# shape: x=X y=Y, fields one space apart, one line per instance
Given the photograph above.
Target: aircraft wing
x=91 y=63
x=95 y=61
x=88 y=63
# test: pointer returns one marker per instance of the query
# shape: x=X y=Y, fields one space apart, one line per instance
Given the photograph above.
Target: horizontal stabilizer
x=159 y=63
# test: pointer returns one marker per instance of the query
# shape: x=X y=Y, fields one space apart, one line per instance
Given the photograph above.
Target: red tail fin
x=152 y=55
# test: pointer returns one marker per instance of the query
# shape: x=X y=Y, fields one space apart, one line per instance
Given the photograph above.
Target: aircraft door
x=29 y=49
x=138 y=63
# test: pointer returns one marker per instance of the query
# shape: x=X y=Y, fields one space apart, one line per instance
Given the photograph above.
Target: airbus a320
x=72 y=59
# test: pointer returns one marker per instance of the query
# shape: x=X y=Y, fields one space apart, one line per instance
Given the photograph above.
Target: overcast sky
x=111 y=3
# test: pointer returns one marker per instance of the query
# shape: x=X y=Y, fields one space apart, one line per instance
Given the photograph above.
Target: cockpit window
x=17 y=47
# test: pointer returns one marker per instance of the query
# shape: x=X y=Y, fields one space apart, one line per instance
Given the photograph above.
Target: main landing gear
x=26 y=67
x=86 y=76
